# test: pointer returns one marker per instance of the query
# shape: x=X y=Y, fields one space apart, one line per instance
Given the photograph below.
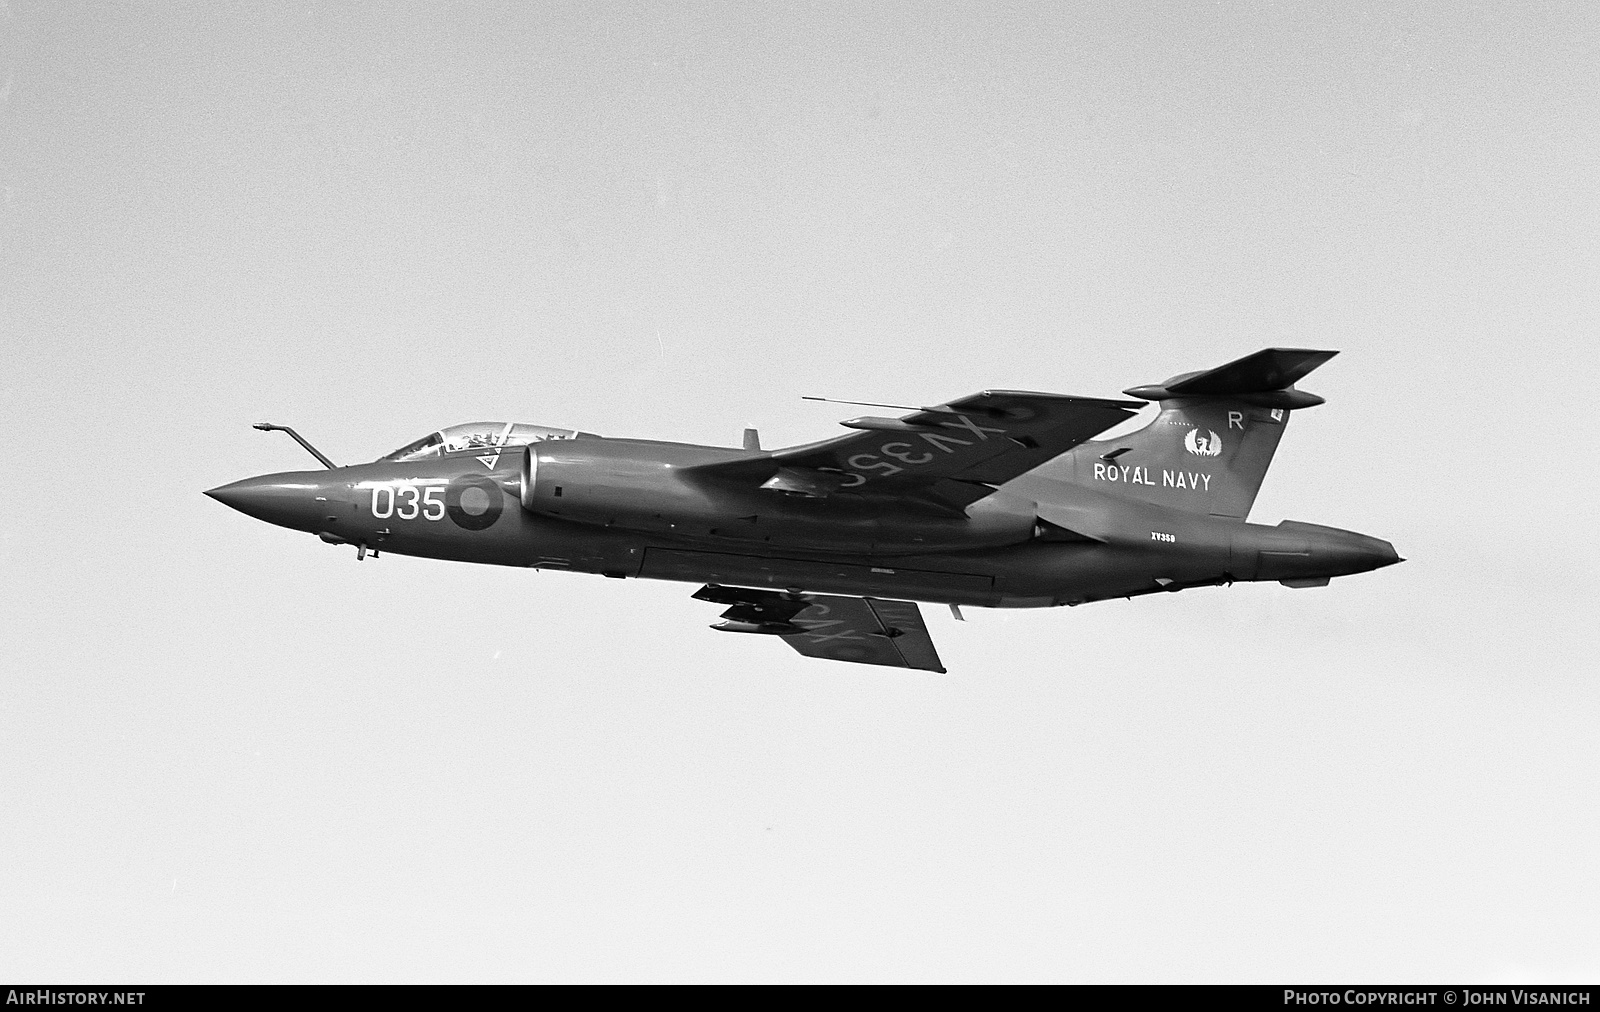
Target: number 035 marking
x=407 y=502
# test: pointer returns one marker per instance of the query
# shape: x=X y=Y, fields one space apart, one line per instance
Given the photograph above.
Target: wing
x=864 y=630
x=950 y=454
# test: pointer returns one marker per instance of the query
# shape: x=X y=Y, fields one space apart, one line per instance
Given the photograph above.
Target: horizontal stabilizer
x=1266 y=371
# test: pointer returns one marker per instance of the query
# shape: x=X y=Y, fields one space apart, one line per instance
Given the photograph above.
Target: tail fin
x=1209 y=448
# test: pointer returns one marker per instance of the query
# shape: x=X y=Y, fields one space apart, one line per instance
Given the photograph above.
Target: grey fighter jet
x=1000 y=499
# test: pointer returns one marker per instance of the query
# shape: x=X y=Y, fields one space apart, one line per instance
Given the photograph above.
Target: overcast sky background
x=228 y=752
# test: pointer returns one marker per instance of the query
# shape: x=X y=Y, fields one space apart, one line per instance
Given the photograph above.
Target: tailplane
x=1209 y=448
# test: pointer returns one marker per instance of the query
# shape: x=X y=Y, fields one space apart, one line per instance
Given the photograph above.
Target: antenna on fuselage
x=873 y=404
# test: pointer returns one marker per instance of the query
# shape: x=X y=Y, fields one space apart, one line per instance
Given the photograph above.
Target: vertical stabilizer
x=1210 y=447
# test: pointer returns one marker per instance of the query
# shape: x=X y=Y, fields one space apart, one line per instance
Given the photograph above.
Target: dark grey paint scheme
x=1001 y=499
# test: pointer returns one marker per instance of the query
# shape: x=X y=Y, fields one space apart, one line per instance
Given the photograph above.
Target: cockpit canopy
x=478 y=435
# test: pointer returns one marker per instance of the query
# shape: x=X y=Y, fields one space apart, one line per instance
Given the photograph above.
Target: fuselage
x=634 y=508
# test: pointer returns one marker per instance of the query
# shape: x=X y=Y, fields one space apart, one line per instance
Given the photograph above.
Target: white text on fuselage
x=1131 y=475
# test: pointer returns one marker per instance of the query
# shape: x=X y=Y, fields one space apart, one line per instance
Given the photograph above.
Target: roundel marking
x=473 y=501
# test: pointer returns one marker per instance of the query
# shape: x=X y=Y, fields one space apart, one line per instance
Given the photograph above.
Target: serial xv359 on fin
x=999 y=499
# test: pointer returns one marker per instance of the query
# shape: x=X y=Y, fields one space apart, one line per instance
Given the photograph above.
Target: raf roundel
x=473 y=501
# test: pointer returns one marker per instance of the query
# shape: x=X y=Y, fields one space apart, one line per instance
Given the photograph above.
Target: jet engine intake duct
x=612 y=483
x=530 y=472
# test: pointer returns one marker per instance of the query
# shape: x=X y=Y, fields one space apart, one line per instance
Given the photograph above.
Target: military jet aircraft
x=999 y=499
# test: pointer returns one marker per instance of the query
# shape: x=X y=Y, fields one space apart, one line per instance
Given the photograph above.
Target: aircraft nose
x=289 y=500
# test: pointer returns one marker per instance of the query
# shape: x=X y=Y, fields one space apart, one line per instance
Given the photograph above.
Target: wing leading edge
x=862 y=630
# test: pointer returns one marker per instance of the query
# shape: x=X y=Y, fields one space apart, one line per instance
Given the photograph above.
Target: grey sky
x=229 y=752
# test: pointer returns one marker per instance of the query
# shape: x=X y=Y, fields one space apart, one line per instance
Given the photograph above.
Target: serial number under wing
x=862 y=630
x=865 y=630
x=951 y=452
